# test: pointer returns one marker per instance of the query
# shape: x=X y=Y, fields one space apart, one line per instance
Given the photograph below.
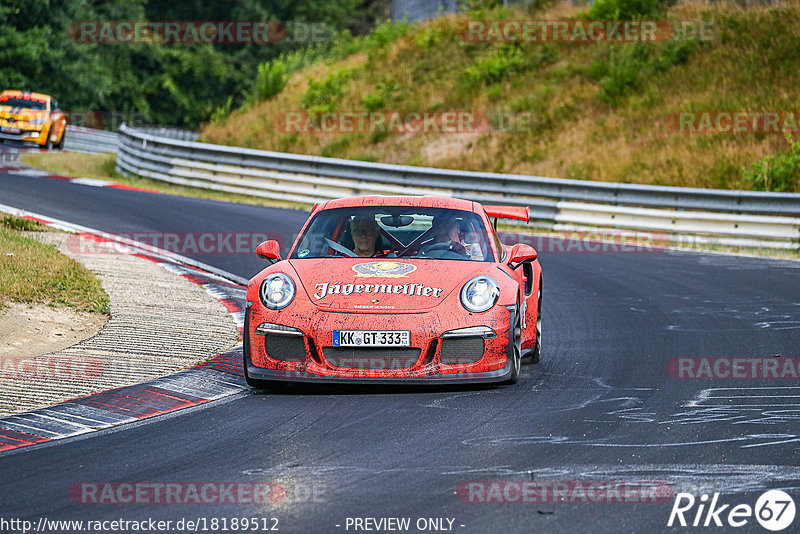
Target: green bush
x=428 y=37
x=385 y=33
x=486 y=9
x=377 y=137
x=322 y=96
x=374 y=101
x=629 y=64
x=623 y=71
x=627 y=9
x=383 y=93
x=335 y=148
x=270 y=80
x=343 y=45
x=479 y=5
x=493 y=67
x=779 y=172
x=223 y=111
x=674 y=53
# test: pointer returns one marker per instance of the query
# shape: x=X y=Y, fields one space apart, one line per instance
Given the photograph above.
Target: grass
x=36 y=273
x=599 y=111
x=97 y=166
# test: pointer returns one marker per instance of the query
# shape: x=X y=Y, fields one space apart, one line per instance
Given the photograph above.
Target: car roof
x=421 y=201
x=23 y=94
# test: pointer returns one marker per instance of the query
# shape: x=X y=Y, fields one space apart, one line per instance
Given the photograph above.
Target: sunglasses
x=365 y=231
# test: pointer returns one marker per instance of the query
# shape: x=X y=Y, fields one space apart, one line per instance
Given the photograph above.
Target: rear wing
x=509 y=212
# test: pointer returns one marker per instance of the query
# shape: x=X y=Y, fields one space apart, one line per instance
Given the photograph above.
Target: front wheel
x=48 y=144
x=253 y=382
x=60 y=144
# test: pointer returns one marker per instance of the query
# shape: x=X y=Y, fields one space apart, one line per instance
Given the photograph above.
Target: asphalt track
x=599 y=407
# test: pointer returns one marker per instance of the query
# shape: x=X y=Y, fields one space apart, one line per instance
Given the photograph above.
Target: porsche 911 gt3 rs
x=395 y=289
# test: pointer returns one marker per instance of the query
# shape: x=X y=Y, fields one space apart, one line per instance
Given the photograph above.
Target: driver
x=364 y=231
x=446 y=231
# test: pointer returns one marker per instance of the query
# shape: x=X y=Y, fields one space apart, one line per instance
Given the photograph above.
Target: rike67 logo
x=774 y=510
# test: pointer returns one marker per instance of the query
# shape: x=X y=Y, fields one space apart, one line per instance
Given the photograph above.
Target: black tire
x=537 y=349
x=246 y=350
x=48 y=144
x=60 y=144
x=273 y=385
x=515 y=345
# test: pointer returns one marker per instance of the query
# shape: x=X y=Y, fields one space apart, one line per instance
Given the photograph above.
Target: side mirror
x=269 y=250
x=520 y=253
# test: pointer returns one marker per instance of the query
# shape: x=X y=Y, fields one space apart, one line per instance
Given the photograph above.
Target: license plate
x=371 y=338
x=8 y=129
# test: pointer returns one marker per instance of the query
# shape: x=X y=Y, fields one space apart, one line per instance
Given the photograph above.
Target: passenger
x=364 y=231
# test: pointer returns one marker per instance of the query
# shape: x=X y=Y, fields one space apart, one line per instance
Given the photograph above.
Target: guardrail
x=750 y=218
x=82 y=139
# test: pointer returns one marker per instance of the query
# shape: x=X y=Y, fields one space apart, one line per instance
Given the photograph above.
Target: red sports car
x=414 y=290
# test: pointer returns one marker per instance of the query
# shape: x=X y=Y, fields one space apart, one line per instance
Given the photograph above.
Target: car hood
x=371 y=285
x=22 y=114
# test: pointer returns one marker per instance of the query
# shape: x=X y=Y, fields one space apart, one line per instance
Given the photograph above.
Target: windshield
x=395 y=232
x=17 y=102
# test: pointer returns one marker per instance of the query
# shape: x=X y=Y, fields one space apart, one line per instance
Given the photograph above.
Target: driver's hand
x=458 y=248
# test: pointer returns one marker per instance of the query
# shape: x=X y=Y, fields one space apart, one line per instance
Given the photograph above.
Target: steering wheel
x=340 y=248
x=440 y=247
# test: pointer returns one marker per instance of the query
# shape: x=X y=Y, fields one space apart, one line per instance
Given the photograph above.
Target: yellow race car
x=31 y=117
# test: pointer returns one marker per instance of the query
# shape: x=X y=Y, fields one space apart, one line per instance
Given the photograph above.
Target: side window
x=477 y=248
x=499 y=244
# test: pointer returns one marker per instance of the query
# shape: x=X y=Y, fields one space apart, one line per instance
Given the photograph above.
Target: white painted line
x=32 y=172
x=69 y=416
x=28 y=429
x=91 y=182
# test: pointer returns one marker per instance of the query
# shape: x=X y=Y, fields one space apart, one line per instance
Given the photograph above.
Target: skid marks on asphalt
x=693 y=478
x=726 y=408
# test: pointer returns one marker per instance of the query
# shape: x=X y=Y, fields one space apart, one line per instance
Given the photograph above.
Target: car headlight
x=479 y=294
x=277 y=291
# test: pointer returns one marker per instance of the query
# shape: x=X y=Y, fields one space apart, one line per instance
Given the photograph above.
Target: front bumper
x=258 y=373
x=33 y=136
x=310 y=360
